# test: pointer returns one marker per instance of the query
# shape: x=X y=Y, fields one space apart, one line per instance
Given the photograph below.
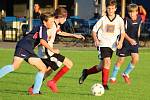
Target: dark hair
x=111 y=3
x=60 y=12
x=45 y=16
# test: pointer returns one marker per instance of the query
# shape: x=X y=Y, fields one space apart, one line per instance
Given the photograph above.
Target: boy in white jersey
x=52 y=60
x=105 y=34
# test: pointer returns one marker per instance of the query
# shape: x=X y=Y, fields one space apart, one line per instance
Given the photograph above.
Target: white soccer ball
x=97 y=89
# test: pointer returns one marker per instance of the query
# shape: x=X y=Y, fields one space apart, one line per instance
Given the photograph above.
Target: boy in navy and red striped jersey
x=130 y=44
x=25 y=51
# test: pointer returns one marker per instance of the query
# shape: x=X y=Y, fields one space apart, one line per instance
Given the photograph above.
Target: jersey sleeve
x=43 y=33
x=97 y=26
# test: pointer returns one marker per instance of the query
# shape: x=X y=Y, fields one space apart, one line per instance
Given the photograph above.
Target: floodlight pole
x=30 y=14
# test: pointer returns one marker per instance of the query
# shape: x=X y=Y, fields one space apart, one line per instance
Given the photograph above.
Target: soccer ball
x=97 y=89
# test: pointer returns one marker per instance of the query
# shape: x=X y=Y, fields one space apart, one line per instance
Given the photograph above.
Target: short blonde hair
x=132 y=7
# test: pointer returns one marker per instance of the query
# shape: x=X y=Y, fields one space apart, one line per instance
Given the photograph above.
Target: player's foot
x=30 y=91
x=83 y=76
x=106 y=87
x=52 y=85
x=126 y=78
x=112 y=80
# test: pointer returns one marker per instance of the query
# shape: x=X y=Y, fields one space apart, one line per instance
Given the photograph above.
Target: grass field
x=14 y=85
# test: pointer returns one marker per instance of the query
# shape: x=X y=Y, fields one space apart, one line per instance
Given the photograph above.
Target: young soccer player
x=54 y=60
x=130 y=44
x=109 y=27
x=25 y=51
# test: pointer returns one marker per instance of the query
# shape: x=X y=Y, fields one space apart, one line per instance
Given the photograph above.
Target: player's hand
x=97 y=43
x=55 y=50
x=119 y=45
x=79 y=36
x=132 y=42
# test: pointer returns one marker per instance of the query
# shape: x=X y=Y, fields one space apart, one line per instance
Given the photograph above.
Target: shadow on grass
x=24 y=73
x=10 y=91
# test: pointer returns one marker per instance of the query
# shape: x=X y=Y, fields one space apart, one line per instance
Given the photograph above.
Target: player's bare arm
x=71 y=35
x=119 y=45
x=132 y=41
x=45 y=44
x=96 y=41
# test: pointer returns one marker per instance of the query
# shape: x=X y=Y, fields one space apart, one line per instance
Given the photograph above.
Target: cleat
x=35 y=94
x=52 y=85
x=83 y=76
x=106 y=87
x=126 y=78
x=112 y=80
x=30 y=91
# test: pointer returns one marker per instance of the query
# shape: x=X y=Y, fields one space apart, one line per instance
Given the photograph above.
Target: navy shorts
x=106 y=52
x=127 y=50
x=20 y=52
x=55 y=61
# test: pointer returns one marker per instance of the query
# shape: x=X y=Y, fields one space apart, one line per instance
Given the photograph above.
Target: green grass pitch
x=14 y=85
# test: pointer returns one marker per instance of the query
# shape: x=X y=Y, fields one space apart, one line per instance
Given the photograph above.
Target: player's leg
x=48 y=72
x=116 y=68
x=17 y=60
x=67 y=66
x=92 y=70
x=130 y=67
x=9 y=68
x=105 y=72
x=106 y=54
x=37 y=62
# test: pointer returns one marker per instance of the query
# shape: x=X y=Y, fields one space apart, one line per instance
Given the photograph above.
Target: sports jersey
x=132 y=27
x=108 y=30
x=42 y=51
x=32 y=39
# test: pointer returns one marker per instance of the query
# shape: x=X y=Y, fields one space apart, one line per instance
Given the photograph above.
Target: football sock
x=105 y=76
x=115 y=72
x=129 y=68
x=59 y=74
x=5 y=70
x=45 y=76
x=38 y=82
x=92 y=70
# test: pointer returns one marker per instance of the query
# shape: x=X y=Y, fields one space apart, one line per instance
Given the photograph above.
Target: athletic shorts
x=106 y=52
x=20 y=52
x=55 y=61
x=99 y=53
x=127 y=50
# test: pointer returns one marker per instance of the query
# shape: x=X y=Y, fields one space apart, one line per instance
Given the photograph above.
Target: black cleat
x=106 y=87
x=83 y=76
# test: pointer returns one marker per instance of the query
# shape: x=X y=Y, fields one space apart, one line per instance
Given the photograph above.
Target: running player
x=25 y=51
x=130 y=44
x=54 y=60
x=109 y=28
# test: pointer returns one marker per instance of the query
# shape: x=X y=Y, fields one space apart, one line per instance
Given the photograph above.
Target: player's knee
x=107 y=63
x=43 y=69
x=68 y=63
x=135 y=61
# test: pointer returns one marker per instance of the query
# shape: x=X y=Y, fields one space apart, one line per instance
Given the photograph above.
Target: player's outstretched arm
x=71 y=35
